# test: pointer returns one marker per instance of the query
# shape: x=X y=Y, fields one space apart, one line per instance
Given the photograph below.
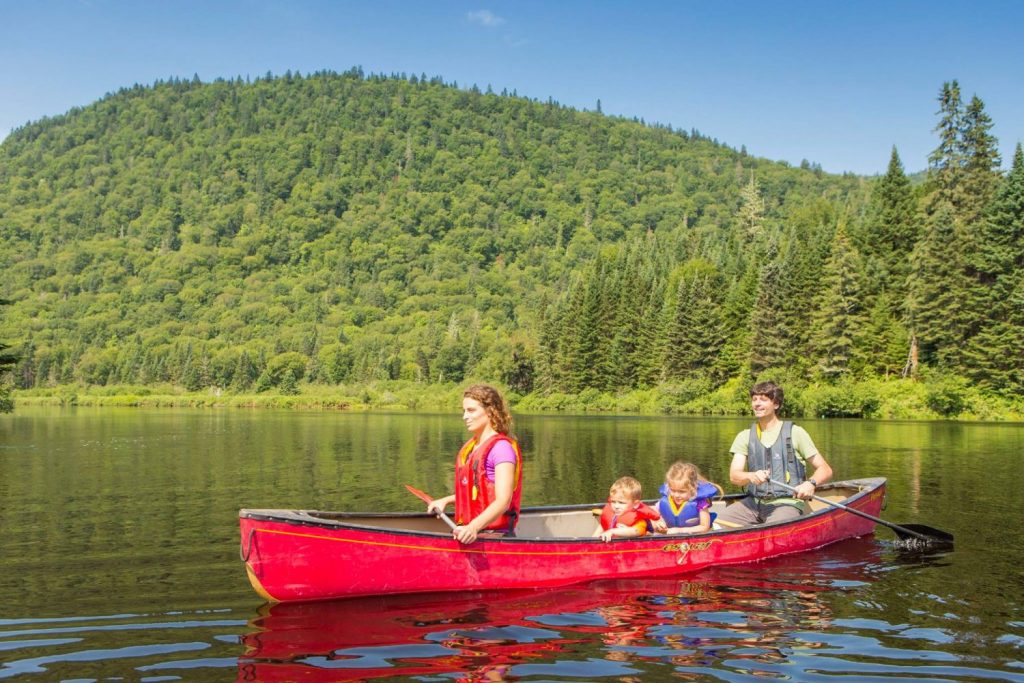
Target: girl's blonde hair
x=683 y=476
x=493 y=404
x=628 y=487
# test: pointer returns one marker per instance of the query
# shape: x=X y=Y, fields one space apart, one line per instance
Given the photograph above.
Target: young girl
x=685 y=504
x=625 y=515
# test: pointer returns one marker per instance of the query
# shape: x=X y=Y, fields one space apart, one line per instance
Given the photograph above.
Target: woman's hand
x=437 y=506
x=464 y=534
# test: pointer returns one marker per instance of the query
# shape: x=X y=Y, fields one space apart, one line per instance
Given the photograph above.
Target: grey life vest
x=780 y=458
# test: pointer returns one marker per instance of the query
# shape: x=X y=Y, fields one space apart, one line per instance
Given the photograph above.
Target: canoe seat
x=576 y=523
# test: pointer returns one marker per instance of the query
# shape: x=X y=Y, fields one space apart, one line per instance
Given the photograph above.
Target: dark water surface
x=119 y=556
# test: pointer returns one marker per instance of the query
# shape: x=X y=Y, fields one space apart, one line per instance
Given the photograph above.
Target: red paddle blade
x=422 y=495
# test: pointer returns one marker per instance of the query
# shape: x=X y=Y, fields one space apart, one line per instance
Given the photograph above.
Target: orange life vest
x=639 y=511
x=474 y=491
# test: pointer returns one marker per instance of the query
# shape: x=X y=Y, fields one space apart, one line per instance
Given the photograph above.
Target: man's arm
x=739 y=475
x=822 y=473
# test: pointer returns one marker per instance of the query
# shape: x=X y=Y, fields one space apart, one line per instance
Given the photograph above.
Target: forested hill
x=342 y=228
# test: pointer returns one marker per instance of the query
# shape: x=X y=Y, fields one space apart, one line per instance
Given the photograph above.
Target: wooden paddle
x=919 y=532
x=425 y=497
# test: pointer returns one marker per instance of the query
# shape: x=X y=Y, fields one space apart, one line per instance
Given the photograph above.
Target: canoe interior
x=576 y=521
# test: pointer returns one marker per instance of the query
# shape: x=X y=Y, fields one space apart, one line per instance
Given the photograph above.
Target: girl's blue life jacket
x=689 y=513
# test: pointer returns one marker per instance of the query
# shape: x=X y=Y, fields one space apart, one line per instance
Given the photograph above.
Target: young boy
x=625 y=515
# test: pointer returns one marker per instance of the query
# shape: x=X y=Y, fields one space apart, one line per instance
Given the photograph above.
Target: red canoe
x=297 y=555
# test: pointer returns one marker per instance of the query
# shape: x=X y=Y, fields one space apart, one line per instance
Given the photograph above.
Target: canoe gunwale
x=309 y=518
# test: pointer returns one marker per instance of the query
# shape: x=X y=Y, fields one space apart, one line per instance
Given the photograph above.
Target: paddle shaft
x=425 y=497
x=900 y=530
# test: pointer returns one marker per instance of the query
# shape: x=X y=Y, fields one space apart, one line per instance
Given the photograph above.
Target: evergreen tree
x=937 y=290
x=980 y=152
x=8 y=360
x=946 y=163
x=696 y=332
x=650 y=348
x=588 y=345
x=891 y=226
x=994 y=354
x=883 y=345
x=25 y=371
x=751 y=213
x=769 y=331
x=839 y=320
x=739 y=302
x=804 y=253
x=549 y=369
x=626 y=295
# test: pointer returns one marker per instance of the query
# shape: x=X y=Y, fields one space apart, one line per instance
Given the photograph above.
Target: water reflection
x=718 y=624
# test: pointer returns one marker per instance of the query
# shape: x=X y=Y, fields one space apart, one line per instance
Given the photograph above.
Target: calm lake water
x=119 y=556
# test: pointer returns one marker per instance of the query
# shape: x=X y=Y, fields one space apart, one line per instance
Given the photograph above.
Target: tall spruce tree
x=588 y=357
x=650 y=347
x=937 y=291
x=696 y=333
x=883 y=345
x=626 y=296
x=891 y=227
x=980 y=153
x=769 y=331
x=739 y=302
x=946 y=163
x=994 y=354
x=840 y=316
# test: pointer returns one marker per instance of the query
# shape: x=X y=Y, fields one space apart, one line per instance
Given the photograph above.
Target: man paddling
x=772 y=450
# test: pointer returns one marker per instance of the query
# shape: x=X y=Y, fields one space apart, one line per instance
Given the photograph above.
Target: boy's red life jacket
x=639 y=511
x=474 y=491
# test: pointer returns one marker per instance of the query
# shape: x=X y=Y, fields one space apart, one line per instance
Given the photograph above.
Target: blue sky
x=836 y=83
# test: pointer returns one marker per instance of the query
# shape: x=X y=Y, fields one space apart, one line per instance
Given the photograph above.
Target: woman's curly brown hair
x=494 y=405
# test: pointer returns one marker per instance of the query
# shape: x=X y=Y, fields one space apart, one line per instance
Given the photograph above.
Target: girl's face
x=678 y=492
x=474 y=415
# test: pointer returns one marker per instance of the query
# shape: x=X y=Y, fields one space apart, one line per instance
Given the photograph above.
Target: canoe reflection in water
x=741 y=618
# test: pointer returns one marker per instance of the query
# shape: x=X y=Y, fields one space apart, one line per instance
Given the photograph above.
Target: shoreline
x=900 y=399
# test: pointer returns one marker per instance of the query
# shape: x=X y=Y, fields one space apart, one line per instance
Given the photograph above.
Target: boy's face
x=763 y=406
x=620 y=502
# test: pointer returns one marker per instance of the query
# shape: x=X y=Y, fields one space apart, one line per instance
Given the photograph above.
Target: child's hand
x=606 y=535
x=660 y=526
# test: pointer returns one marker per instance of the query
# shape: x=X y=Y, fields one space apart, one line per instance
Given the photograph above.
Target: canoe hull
x=290 y=559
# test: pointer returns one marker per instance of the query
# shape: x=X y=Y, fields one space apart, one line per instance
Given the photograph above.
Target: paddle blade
x=934 y=536
x=422 y=495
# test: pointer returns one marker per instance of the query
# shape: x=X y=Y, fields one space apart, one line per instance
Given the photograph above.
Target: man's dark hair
x=769 y=389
